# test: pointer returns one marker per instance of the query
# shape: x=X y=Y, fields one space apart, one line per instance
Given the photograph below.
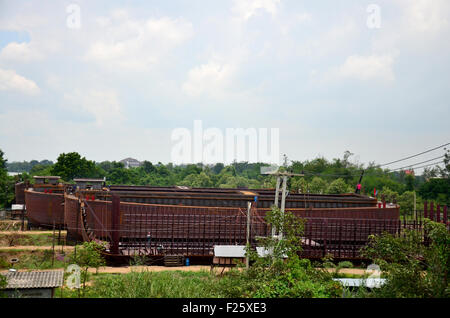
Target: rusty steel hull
x=192 y=231
x=44 y=209
x=189 y=222
x=232 y=197
x=19 y=191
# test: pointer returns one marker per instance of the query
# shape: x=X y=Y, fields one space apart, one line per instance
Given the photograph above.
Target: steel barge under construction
x=159 y=221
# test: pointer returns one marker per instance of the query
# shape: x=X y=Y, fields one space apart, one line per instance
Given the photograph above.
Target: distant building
x=409 y=172
x=130 y=163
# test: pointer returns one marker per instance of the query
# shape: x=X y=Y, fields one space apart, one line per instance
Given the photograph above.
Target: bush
x=273 y=275
x=412 y=268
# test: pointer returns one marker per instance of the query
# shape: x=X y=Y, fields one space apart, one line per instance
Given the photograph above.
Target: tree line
x=335 y=176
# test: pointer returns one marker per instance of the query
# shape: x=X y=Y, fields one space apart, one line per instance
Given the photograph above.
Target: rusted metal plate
x=45 y=209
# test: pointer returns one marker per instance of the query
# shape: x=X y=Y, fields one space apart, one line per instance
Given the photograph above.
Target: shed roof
x=38 y=279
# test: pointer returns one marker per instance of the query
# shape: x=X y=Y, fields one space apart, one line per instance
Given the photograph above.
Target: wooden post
x=432 y=211
x=415 y=207
x=445 y=215
x=53 y=244
x=115 y=219
x=425 y=209
x=59 y=234
x=438 y=213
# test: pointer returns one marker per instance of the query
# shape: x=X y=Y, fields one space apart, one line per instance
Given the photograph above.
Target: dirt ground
x=30 y=232
x=193 y=268
x=129 y=269
x=33 y=247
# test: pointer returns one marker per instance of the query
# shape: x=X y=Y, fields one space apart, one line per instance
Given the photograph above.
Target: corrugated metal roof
x=47 y=279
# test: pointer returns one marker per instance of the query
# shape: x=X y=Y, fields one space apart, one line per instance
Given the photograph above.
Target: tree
x=6 y=183
x=299 y=185
x=338 y=186
x=389 y=195
x=201 y=180
x=72 y=165
x=89 y=256
x=318 y=185
x=148 y=167
x=445 y=172
x=436 y=189
x=409 y=179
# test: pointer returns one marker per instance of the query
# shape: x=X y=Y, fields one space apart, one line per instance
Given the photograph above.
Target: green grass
x=41 y=259
x=169 y=284
x=42 y=239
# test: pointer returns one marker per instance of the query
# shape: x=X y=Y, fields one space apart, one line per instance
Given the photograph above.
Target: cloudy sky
x=114 y=79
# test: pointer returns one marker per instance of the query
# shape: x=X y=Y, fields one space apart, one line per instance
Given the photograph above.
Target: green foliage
x=318 y=185
x=437 y=190
x=72 y=165
x=89 y=255
x=154 y=285
x=413 y=269
x=338 y=176
x=280 y=272
x=388 y=195
x=299 y=185
x=338 y=186
x=3 y=282
x=26 y=166
x=6 y=183
x=201 y=180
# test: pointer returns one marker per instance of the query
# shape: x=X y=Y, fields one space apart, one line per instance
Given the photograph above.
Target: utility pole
x=415 y=211
x=285 y=176
x=283 y=202
x=277 y=191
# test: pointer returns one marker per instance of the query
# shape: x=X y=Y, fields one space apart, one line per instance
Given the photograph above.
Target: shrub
x=412 y=268
x=280 y=273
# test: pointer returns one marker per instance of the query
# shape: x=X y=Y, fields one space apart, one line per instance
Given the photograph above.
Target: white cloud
x=104 y=105
x=136 y=45
x=22 y=52
x=210 y=79
x=248 y=8
x=426 y=15
x=420 y=26
x=11 y=81
x=373 y=67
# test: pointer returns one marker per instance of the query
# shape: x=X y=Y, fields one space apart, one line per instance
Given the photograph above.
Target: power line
x=410 y=166
x=389 y=170
x=385 y=164
x=431 y=164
